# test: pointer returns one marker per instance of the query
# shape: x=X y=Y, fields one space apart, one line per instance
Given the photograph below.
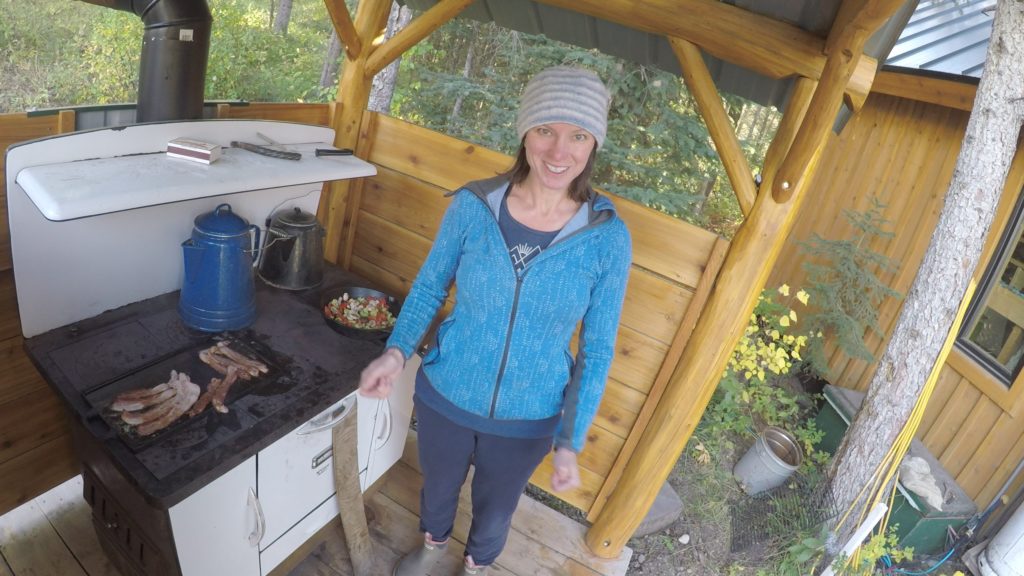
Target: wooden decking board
x=63 y=507
x=53 y=535
x=31 y=545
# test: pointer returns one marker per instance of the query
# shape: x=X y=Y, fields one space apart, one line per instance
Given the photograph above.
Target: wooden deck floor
x=53 y=536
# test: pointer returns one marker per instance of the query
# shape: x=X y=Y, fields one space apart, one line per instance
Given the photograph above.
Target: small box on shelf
x=195 y=150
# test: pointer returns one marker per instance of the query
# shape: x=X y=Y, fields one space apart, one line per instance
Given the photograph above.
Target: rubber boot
x=468 y=570
x=420 y=560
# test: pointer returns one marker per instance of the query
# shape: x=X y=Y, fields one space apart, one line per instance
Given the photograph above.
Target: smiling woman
x=537 y=253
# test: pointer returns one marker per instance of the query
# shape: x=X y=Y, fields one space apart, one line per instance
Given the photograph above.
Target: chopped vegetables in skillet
x=363 y=312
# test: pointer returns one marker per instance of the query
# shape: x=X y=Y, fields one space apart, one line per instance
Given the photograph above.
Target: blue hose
x=928 y=571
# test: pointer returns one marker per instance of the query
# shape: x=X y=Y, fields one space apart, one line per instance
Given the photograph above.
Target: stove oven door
x=387 y=422
x=295 y=474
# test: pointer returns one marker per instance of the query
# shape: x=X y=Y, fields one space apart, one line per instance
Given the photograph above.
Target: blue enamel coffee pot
x=218 y=291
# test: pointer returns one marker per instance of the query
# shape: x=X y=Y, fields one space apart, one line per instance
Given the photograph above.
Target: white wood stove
x=97 y=219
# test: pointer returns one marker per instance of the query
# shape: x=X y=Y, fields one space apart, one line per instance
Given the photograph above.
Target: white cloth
x=916 y=476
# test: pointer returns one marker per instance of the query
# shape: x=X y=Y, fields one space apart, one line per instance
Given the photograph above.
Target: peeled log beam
x=702 y=87
x=751 y=256
x=796 y=110
x=759 y=43
x=353 y=95
x=344 y=27
x=411 y=35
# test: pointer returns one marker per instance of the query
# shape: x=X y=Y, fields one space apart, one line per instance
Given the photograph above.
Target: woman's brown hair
x=579 y=188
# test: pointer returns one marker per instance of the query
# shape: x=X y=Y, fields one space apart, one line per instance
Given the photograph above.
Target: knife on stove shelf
x=266 y=151
x=333 y=152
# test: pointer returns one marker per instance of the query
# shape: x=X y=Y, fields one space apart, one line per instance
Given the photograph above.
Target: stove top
x=136 y=346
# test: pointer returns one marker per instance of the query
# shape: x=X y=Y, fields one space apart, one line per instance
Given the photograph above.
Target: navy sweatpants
x=502 y=469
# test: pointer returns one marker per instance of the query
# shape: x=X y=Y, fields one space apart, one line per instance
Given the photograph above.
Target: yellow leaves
x=784 y=321
x=784 y=289
x=803 y=297
x=703 y=456
x=792 y=315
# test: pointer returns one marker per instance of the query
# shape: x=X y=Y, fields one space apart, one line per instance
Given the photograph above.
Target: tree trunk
x=284 y=14
x=384 y=82
x=951 y=258
x=466 y=68
x=329 y=71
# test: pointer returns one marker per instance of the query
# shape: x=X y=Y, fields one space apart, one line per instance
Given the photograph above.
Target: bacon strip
x=221 y=392
x=138 y=417
x=187 y=394
x=135 y=400
x=204 y=399
x=241 y=359
x=221 y=363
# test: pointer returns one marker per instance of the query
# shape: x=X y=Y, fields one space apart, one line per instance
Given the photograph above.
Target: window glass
x=994 y=331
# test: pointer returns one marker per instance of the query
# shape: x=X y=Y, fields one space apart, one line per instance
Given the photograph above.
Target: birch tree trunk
x=283 y=16
x=329 y=71
x=467 y=67
x=951 y=258
x=384 y=82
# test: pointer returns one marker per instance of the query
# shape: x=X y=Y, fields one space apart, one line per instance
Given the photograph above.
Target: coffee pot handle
x=255 y=245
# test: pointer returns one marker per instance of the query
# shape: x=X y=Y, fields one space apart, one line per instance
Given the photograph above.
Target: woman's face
x=557 y=153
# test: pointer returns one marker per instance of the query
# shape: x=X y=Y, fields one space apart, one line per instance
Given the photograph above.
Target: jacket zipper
x=515 y=304
x=508 y=344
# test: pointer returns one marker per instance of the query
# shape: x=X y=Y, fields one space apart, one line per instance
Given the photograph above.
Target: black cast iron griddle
x=185 y=360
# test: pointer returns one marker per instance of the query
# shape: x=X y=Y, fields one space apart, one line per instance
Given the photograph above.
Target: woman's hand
x=378 y=376
x=566 y=475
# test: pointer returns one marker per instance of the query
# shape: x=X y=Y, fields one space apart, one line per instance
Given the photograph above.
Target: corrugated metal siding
x=949 y=36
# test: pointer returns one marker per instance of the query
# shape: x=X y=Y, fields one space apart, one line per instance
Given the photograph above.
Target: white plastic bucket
x=1004 y=554
x=772 y=459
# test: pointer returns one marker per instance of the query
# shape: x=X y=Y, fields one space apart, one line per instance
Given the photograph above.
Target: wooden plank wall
x=35 y=440
x=393 y=226
x=904 y=152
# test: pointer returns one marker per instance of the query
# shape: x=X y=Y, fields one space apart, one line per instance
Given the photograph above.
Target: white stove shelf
x=145 y=177
x=105 y=204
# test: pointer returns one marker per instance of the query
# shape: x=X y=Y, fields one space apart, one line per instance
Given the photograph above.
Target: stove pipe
x=175 y=46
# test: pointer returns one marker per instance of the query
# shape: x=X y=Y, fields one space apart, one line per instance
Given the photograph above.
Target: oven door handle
x=385 y=429
x=261 y=522
x=329 y=419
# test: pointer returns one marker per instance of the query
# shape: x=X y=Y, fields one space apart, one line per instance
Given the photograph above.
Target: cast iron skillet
x=355 y=292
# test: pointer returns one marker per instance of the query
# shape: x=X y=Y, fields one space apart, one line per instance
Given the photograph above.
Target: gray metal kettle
x=293 y=253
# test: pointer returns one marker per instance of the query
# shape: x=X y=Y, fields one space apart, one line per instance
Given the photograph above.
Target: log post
x=353 y=96
x=750 y=259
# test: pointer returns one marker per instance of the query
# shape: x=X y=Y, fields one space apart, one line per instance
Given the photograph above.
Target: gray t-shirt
x=524 y=243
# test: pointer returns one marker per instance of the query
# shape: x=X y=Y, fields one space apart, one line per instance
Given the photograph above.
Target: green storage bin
x=919 y=525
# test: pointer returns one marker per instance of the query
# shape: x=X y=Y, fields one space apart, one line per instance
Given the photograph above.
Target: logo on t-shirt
x=522 y=253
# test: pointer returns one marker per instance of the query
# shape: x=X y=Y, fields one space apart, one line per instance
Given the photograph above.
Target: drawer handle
x=322 y=457
x=261 y=523
x=330 y=420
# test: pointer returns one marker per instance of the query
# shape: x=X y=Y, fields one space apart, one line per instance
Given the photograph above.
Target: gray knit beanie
x=565 y=94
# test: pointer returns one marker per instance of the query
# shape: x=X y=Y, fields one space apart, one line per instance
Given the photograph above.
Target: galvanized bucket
x=769 y=462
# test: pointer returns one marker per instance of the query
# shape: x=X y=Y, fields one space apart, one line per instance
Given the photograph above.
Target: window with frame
x=993 y=331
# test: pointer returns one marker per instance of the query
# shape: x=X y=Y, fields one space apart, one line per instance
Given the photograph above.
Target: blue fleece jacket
x=503 y=353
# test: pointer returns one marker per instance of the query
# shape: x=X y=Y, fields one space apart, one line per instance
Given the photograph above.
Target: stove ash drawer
x=295 y=475
x=125 y=544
